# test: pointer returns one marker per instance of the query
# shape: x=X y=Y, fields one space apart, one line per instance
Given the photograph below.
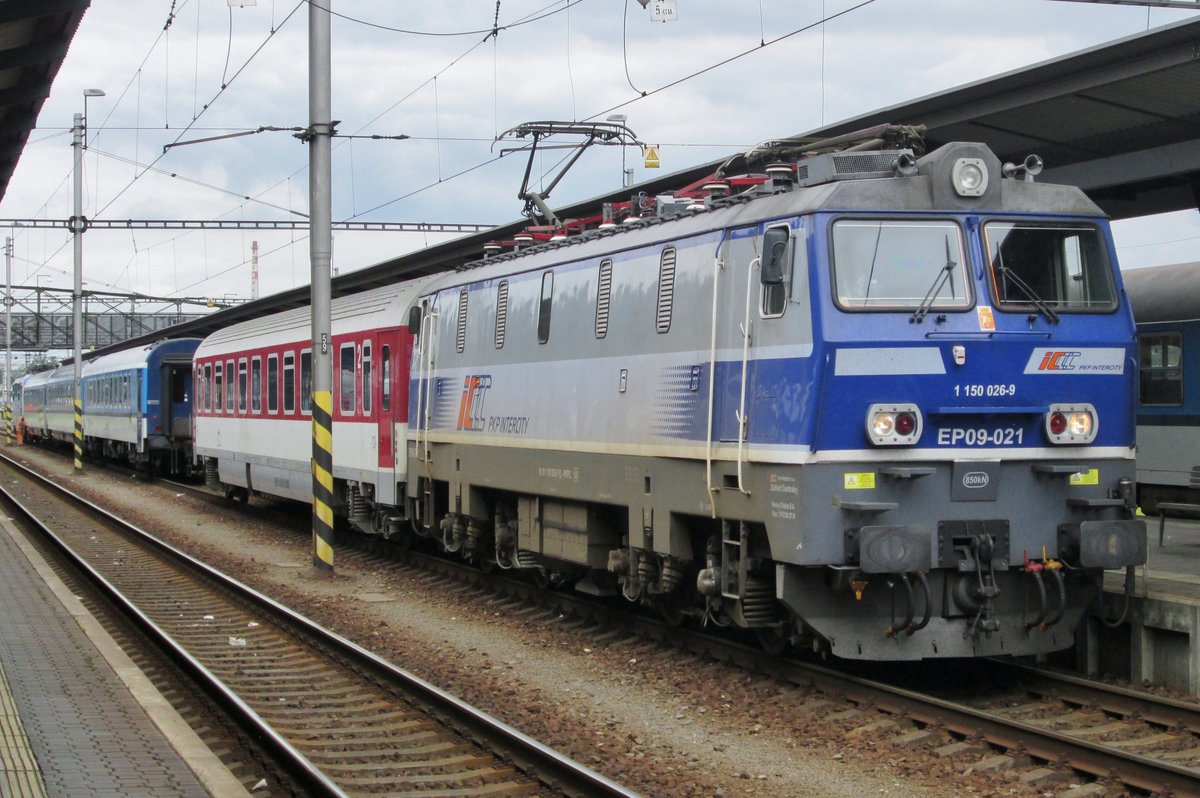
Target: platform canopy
x=34 y=37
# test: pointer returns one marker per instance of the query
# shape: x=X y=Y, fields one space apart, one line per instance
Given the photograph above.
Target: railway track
x=1051 y=728
x=340 y=720
x=1056 y=727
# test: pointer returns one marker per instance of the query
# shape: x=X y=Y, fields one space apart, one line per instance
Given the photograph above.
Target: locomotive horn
x=1031 y=166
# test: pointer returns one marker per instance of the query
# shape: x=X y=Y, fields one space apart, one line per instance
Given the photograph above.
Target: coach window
x=366 y=378
x=241 y=387
x=289 y=382
x=272 y=383
x=775 y=271
x=306 y=382
x=217 y=383
x=543 y=330
x=346 y=377
x=256 y=385
x=386 y=388
x=1160 y=358
x=230 y=380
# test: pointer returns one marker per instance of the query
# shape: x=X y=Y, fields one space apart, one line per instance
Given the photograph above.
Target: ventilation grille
x=501 y=313
x=603 y=298
x=460 y=339
x=666 y=289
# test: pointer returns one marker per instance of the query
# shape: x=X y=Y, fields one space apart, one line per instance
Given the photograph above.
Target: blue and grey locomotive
x=873 y=400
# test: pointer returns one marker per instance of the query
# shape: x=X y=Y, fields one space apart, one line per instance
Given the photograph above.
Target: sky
x=174 y=71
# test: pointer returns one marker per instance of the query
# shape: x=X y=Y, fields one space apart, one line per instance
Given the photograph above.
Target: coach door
x=388 y=413
x=178 y=387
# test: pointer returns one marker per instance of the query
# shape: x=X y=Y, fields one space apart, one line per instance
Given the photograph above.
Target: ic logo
x=976 y=479
x=470 y=407
x=1059 y=361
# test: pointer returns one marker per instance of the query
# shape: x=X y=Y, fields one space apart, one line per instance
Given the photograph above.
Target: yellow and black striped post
x=322 y=458
x=320 y=246
x=78 y=434
x=8 y=425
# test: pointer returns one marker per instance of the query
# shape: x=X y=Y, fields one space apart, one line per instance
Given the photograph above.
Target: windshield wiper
x=1029 y=293
x=944 y=273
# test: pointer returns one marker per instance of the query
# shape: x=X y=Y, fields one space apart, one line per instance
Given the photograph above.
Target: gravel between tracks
x=659 y=721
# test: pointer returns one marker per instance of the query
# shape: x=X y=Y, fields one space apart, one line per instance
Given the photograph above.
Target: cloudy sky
x=180 y=70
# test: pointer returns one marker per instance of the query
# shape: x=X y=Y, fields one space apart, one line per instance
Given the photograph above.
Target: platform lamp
x=77 y=225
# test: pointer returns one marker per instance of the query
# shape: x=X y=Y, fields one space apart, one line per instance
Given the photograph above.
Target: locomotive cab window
x=775 y=271
x=1060 y=267
x=1160 y=369
x=891 y=264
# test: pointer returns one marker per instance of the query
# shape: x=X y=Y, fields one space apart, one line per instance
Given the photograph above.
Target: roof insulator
x=783 y=175
x=492 y=248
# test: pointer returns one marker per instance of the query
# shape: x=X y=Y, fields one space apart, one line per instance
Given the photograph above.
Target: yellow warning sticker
x=858 y=481
x=1089 y=477
x=651 y=157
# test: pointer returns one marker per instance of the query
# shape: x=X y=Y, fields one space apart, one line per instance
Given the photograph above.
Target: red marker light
x=1058 y=423
x=905 y=424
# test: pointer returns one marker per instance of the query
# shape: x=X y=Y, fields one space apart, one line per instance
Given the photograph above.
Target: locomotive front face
x=974 y=446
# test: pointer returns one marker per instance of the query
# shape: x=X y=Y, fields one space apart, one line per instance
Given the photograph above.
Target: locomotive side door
x=733 y=338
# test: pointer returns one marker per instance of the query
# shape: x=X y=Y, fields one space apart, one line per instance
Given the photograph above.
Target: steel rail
x=549 y=766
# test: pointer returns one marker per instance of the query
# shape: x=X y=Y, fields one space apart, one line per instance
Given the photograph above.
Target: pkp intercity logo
x=1094 y=360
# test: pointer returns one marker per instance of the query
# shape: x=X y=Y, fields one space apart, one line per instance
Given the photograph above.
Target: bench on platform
x=1185 y=507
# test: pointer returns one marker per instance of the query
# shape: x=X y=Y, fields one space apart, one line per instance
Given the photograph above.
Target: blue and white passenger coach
x=136 y=405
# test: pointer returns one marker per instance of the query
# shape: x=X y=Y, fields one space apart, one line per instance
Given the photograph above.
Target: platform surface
x=77 y=718
x=1172 y=571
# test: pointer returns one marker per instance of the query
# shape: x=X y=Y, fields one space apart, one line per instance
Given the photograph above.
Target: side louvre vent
x=501 y=313
x=460 y=339
x=666 y=289
x=603 y=298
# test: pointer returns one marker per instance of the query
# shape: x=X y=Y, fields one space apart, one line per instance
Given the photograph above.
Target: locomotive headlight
x=893 y=425
x=1072 y=423
x=970 y=177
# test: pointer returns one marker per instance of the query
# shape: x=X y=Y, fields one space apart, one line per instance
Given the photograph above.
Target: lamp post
x=626 y=175
x=77 y=225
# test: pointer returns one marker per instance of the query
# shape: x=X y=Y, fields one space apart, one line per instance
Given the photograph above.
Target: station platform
x=77 y=717
x=1158 y=643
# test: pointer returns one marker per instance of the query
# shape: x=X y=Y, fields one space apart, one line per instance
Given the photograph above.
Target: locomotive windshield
x=1049 y=268
x=900 y=265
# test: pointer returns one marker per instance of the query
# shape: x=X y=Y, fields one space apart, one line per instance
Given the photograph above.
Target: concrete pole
x=320 y=133
x=77 y=293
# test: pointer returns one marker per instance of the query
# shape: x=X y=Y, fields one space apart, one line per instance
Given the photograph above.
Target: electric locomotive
x=869 y=399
